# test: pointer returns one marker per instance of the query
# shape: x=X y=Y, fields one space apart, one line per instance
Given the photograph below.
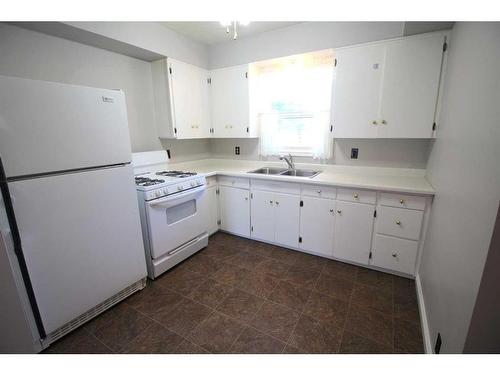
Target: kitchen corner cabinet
x=230 y=103
x=234 y=204
x=212 y=204
x=275 y=217
x=182 y=102
x=388 y=89
x=317 y=219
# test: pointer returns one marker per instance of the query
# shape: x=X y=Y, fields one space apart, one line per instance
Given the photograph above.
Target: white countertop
x=387 y=179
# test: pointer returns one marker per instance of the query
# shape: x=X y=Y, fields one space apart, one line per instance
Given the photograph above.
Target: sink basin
x=300 y=173
x=269 y=170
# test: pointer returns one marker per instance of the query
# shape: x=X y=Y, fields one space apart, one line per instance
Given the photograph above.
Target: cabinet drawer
x=399 y=222
x=319 y=191
x=237 y=182
x=211 y=181
x=357 y=195
x=404 y=201
x=276 y=186
x=395 y=254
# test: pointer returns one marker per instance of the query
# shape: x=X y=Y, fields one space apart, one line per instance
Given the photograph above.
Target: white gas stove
x=174 y=215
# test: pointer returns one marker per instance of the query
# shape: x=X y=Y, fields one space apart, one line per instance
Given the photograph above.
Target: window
x=290 y=98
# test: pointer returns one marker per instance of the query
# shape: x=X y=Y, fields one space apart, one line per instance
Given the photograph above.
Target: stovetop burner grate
x=179 y=174
x=145 y=181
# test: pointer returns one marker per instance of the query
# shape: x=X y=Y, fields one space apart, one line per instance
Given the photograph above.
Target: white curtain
x=323 y=142
x=269 y=134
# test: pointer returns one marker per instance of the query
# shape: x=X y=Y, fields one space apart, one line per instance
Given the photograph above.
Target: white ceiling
x=214 y=32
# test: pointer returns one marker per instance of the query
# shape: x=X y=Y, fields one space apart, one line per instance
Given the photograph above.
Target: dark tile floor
x=242 y=296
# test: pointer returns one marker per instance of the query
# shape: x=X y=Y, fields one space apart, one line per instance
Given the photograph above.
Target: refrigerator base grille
x=85 y=317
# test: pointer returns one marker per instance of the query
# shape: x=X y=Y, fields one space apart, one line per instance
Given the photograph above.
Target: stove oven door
x=175 y=220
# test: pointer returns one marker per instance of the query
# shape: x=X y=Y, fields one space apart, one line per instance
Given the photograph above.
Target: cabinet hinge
x=300 y=239
x=251 y=195
x=370 y=256
x=246 y=74
x=218 y=222
x=248 y=129
x=335 y=62
x=445 y=46
x=175 y=130
x=331 y=128
x=170 y=70
x=433 y=126
x=251 y=228
x=217 y=191
x=375 y=213
x=301 y=203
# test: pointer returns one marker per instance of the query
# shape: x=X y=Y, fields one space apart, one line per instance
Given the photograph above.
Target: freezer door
x=81 y=239
x=47 y=127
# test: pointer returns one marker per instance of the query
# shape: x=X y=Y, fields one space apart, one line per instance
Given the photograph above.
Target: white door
x=317 y=218
x=230 y=102
x=410 y=87
x=357 y=83
x=81 y=239
x=287 y=219
x=262 y=214
x=235 y=210
x=212 y=208
x=353 y=231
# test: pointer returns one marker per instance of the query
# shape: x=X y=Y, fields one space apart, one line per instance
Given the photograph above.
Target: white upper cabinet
x=357 y=82
x=388 y=89
x=230 y=102
x=182 y=100
x=410 y=89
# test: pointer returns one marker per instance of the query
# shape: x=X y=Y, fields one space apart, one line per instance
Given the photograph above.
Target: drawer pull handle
x=339 y=211
x=394 y=255
x=398 y=222
x=356 y=196
x=402 y=201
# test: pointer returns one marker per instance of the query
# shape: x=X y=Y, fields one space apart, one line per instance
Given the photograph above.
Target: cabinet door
x=212 y=209
x=234 y=210
x=410 y=88
x=317 y=217
x=356 y=93
x=287 y=213
x=262 y=214
x=353 y=231
x=230 y=102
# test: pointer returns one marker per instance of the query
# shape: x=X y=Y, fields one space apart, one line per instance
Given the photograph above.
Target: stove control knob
x=198 y=183
x=193 y=184
x=179 y=187
x=157 y=193
x=165 y=191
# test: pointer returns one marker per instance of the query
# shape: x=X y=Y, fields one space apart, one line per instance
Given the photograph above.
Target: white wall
x=395 y=153
x=463 y=168
x=300 y=38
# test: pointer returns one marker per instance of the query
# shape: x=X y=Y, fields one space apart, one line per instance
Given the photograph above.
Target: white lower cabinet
x=275 y=217
x=394 y=253
x=353 y=231
x=234 y=204
x=317 y=218
x=212 y=205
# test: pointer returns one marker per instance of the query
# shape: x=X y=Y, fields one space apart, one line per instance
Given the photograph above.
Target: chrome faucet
x=288 y=160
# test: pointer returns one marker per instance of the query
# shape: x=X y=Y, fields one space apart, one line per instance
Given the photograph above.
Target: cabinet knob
x=402 y=201
x=331 y=209
x=271 y=202
x=394 y=255
x=319 y=191
x=356 y=196
x=246 y=198
x=277 y=202
x=383 y=122
x=398 y=222
x=339 y=211
x=374 y=122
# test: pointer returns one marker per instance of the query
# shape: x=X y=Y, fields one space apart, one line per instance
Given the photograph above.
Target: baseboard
x=426 y=335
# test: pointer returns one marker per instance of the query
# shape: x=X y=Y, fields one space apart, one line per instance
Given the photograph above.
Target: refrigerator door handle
x=16 y=240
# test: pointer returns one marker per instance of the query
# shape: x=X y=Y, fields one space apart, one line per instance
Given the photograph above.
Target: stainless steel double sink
x=286 y=172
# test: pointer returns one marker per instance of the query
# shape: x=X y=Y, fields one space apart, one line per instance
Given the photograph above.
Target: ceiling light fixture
x=234 y=24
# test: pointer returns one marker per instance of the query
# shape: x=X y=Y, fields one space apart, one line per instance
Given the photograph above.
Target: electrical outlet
x=237 y=150
x=437 y=346
x=354 y=153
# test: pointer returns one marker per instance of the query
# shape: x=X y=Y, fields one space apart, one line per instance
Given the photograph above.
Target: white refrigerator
x=69 y=219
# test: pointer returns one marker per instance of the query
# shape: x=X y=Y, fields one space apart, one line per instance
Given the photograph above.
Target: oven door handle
x=177 y=196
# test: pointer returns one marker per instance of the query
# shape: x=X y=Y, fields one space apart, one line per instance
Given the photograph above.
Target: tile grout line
x=348 y=311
